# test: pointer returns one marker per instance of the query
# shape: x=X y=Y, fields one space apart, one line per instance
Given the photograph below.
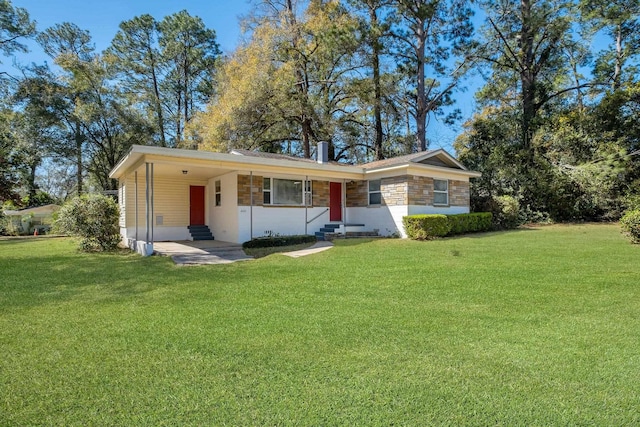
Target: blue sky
x=101 y=19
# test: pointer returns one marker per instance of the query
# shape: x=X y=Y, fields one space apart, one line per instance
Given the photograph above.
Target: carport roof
x=208 y=164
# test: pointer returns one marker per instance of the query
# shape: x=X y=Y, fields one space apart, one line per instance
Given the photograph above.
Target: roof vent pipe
x=323 y=152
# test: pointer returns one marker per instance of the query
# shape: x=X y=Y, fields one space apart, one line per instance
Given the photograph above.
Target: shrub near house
x=426 y=227
x=94 y=219
x=630 y=223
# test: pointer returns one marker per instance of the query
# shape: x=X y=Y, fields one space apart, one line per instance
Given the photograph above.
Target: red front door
x=335 y=201
x=196 y=203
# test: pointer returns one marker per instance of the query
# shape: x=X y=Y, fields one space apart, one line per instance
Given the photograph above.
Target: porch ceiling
x=175 y=170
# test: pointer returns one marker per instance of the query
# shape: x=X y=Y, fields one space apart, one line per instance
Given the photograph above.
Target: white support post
x=152 y=204
x=251 y=205
x=146 y=248
x=146 y=204
x=135 y=174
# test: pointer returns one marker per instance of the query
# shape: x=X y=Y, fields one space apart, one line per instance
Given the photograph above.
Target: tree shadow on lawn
x=9 y=240
x=355 y=241
x=58 y=278
x=490 y=233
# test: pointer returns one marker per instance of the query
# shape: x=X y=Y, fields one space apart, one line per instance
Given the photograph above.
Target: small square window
x=308 y=195
x=375 y=195
x=440 y=192
x=266 y=191
x=218 y=193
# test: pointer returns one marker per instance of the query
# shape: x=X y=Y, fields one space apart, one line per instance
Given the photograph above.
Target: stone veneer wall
x=406 y=190
x=357 y=194
x=420 y=191
x=244 y=190
x=394 y=191
x=459 y=194
x=320 y=193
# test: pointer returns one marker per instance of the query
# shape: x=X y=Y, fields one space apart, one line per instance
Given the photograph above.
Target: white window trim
x=217 y=189
x=306 y=192
x=264 y=191
x=369 y=192
x=446 y=192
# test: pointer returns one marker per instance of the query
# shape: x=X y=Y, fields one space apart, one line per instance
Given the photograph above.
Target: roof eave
x=408 y=165
x=138 y=151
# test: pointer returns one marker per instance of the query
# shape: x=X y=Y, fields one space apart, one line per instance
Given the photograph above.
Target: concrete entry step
x=200 y=232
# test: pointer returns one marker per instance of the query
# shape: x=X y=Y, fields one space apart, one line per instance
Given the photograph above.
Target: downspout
x=251 y=205
x=306 y=205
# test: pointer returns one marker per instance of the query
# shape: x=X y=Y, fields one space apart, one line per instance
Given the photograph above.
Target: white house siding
x=171 y=207
x=446 y=210
x=386 y=219
x=223 y=219
x=279 y=220
x=122 y=204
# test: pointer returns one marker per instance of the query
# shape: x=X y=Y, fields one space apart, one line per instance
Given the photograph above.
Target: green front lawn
x=530 y=327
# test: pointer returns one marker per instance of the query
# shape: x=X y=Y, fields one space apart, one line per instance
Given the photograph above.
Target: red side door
x=335 y=201
x=196 y=203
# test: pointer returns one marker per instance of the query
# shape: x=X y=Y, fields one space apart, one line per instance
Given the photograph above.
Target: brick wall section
x=401 y=190
x=320 y=193
x=357 y=194
x=394 y=191
x=458 y=193
x=244 y=190
x=420 y=191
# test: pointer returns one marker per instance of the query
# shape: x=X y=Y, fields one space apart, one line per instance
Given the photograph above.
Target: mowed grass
x=530 y=327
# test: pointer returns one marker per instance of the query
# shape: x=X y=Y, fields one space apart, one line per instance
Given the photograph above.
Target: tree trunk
x=615 y=84
x=79 y=169
x=527 y=75
x=421 y=96
x=158 y=104
x=576 y=78
x=185 y=71
x=377 y=98
x=178 y=121
x=306 y=136
x=302 y=86
x=31 y=184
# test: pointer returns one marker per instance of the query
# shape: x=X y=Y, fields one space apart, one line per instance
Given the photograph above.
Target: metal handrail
x=318 y=216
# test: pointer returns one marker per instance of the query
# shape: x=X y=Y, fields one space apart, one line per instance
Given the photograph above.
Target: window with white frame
x=218 y=193
x=308 y=195
x=440 y=192
x=375 y=194
x=266 y=191
x=289 y=192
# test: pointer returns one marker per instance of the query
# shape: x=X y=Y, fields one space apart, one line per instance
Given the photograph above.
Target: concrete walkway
x=199 y=252
x=317 y=247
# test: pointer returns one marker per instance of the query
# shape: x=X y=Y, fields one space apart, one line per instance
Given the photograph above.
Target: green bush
x=506 y=212
x=272 y=241
x=94 y=219
x=470 y=223
x=426 y=227
x=3 y=223
x=630 y=223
